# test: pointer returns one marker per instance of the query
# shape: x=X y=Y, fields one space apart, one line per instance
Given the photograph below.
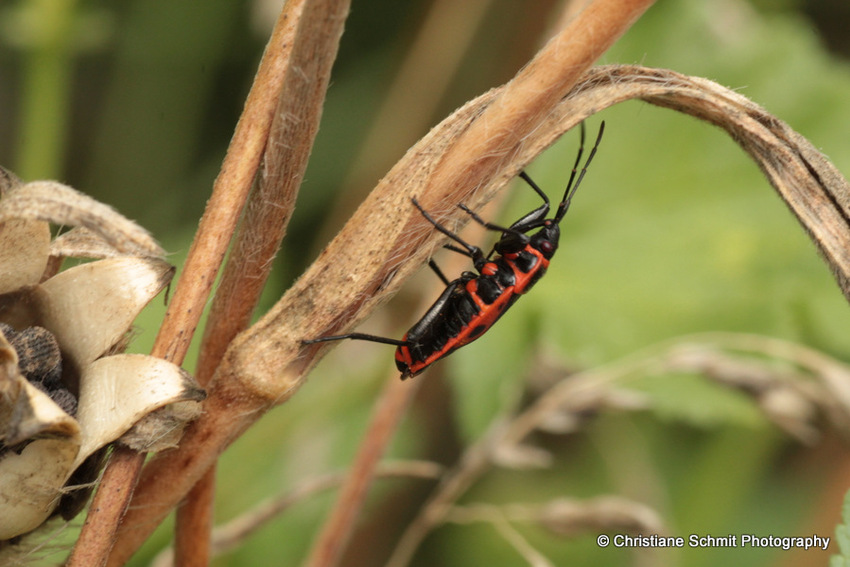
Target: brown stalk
x=387 y=412
x=230 y=191
x=375 y=252
x=311 y=47
x=419 y=85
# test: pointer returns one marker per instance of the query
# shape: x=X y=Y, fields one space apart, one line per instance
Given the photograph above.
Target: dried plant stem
x=296 y=121
x=204 y=259
x=532 y=95
x=417 y=89
x=234 y=532
x=516 y=540
x=194 y=524
x=386 y=417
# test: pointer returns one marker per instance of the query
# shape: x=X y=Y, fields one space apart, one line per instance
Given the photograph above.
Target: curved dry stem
x=386 y=241
x=347 y=281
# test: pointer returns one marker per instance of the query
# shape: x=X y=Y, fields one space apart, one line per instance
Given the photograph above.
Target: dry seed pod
x=58 y=340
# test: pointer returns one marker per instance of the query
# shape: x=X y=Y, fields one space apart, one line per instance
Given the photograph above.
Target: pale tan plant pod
x=66 y=392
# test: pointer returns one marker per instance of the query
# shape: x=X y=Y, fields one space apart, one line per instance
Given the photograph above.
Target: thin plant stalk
x=267 y=215
x=420 y=84
x=387 y=413
x=232 y=534
x=218 y=223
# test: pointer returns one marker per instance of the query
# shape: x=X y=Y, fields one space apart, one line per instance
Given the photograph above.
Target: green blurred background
x=675 y=231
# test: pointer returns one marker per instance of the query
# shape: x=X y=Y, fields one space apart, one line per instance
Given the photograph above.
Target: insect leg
x=457 y=249
x=356 y=336
x=489 y=225
x=524 y=176
x=473 y=252
x=438 y=271
x=535 y=218
x=571 y=189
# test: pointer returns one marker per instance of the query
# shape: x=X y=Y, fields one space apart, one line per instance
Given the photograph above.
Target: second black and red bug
x=472 y=303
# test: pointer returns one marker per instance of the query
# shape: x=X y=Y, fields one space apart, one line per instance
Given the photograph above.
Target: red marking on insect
x=472 y=303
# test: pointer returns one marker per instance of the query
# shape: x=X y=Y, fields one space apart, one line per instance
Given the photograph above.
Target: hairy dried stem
x=313 y=33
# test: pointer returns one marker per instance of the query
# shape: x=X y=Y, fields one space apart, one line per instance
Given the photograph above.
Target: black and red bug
x=472 y=303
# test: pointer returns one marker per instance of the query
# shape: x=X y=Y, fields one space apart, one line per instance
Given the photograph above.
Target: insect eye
x=546 y=246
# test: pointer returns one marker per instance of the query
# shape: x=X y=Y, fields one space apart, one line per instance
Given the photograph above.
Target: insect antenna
x=571 y=189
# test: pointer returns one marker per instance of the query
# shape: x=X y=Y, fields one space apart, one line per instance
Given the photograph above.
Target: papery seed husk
x=81 y=242
x=118 y=391
x=161 y=429
x=30 y=484
x=90 y=307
